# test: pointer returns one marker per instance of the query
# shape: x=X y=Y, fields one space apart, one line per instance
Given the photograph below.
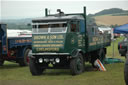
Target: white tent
x=19 y=33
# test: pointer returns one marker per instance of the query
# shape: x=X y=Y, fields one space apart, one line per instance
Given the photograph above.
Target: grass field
x=12 y=74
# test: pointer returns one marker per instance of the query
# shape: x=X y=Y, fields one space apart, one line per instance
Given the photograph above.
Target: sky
x=16 y=9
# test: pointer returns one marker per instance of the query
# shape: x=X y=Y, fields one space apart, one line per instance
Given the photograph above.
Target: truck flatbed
x=19 y=41
x=14 y=47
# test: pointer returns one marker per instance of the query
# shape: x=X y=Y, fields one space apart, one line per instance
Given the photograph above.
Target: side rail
x=107 y=39
x=98 y=41
x=15 y=42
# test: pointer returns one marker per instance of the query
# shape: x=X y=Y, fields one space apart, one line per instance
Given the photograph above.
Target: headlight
x=40 y=60
x=57 y=60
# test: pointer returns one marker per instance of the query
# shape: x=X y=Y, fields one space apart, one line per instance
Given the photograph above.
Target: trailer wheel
x=98 y=55
x=25 y=60
x=34 y=69
x=1 y=62
x=126 y=70
x=77 y=65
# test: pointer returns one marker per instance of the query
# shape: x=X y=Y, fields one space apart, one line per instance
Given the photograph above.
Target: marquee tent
x=123 y=29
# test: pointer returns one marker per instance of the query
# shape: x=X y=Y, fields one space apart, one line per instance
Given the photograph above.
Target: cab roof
x=58 y=18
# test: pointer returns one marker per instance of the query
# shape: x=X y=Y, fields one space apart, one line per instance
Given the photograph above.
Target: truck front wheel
x=77 y=65
x=98 y=55
x=25 y=60
x=34 y=69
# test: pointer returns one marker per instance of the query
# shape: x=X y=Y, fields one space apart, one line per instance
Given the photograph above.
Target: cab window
x=74 y=26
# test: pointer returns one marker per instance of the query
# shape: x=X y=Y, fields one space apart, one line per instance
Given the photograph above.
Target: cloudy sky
x=15 y=9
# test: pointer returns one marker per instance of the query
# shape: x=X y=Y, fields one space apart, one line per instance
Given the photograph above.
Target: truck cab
x=57 y=34
x=63 y=41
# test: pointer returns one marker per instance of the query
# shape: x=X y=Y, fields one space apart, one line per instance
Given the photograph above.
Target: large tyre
x=34 y=68
x=126 y=55
x=25 y=60
x=77 y=65
x=93 y=58
x=98 y=55
x=1 y=62
x=126 y=70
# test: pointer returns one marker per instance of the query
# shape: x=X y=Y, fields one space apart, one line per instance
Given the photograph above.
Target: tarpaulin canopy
x=123 y=29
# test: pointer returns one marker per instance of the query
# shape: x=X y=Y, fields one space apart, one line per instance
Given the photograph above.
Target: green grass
x=12 y=74
x=115 y=47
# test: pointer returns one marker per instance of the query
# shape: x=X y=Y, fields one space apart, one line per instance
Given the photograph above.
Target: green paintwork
x=59 y=42
x=98 y=41
x=74 y=41
x=48 y=42
x=70 y=41
x=67 y=42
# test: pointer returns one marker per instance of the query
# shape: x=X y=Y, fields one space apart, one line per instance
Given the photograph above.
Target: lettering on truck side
x=39 y=37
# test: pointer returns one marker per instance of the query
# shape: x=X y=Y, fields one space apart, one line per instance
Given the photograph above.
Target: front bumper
x=34 y=54
x=51 y=60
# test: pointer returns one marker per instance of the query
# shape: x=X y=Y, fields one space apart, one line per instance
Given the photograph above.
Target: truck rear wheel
x=77 y=65
x=101 y=55
x=126 y=69
x=25 y=60
x=98 y=55
x=34 y=69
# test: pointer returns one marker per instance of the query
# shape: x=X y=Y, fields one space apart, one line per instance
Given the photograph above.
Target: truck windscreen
x=58 y=27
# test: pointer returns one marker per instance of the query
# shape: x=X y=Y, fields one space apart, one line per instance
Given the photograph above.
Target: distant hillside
x=18 y=23
x=112 y=11
x=111 y=17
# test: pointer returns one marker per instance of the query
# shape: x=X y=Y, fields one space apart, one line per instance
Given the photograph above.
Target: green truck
x=66 y=41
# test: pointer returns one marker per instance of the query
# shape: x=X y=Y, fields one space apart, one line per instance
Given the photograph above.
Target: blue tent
x=123 y=29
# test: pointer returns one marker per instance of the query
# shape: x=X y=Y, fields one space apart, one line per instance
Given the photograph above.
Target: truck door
x=3 y=39
x=74 y=31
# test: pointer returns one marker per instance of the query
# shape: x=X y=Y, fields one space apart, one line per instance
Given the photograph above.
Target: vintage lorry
x=65 y=41
x=13 y=48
